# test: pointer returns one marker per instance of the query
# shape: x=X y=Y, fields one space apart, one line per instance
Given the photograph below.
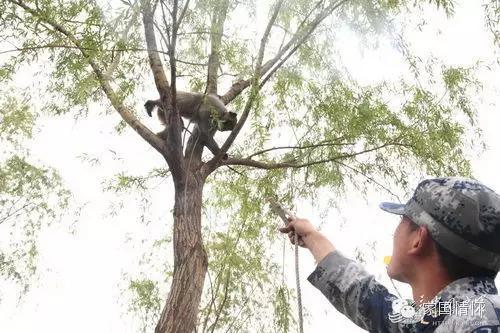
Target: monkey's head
x=228 y=121
x=149 y=106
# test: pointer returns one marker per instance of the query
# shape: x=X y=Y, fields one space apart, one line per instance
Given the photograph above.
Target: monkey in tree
x=207 y=112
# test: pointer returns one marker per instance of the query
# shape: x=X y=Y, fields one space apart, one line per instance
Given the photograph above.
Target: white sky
x=82 y=271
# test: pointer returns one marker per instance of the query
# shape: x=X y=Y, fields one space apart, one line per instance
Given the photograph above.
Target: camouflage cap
x=461 y=214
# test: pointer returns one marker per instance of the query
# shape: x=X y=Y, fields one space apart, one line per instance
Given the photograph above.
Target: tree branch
x=173 y=150
x=55 y=46
x=293 y=164
x=174 y=140
x=216 y=29
x=124 y=112
x=154 y=60
x=212 y=164
x=370 y=179
x=321 y=144
x=9 y=214
x=223 y=303
x=300 y=37
x=183 y=13
x=165 y=23
x=114 y=64
x=212 y=301
x=237 y=316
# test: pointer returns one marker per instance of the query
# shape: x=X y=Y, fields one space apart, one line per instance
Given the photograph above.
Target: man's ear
x=420 y=241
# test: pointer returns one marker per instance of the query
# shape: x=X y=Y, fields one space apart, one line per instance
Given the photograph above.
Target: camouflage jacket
x=367 y=303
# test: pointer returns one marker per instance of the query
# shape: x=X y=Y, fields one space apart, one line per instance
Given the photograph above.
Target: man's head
x=412 y=249
x=450 y=224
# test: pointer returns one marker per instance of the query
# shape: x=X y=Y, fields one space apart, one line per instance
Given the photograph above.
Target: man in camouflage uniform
x=447 y=247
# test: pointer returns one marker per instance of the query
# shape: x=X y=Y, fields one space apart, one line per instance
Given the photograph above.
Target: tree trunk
x=190 y=260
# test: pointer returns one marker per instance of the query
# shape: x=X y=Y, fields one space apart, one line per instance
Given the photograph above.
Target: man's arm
x=318 y=244
x=345 y=283
x=355 y=293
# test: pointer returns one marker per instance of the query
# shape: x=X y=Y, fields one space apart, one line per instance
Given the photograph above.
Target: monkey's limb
x=208 y=141
x=207 y=130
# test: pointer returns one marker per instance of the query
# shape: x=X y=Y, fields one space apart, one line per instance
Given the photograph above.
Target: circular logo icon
x=405 y=311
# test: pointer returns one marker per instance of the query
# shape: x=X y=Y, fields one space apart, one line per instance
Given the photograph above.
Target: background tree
x=283 y=81
x=31 y=194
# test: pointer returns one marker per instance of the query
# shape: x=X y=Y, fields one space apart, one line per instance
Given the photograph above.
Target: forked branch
x=212 y=164
x=301 y=36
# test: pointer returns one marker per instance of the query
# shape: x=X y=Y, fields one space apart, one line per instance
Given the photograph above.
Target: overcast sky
x=79 y=289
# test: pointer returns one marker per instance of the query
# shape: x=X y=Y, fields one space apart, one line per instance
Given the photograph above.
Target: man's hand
x=308 y=237
x=302 y=227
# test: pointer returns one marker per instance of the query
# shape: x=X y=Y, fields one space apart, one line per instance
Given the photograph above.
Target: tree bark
x=190 y=259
